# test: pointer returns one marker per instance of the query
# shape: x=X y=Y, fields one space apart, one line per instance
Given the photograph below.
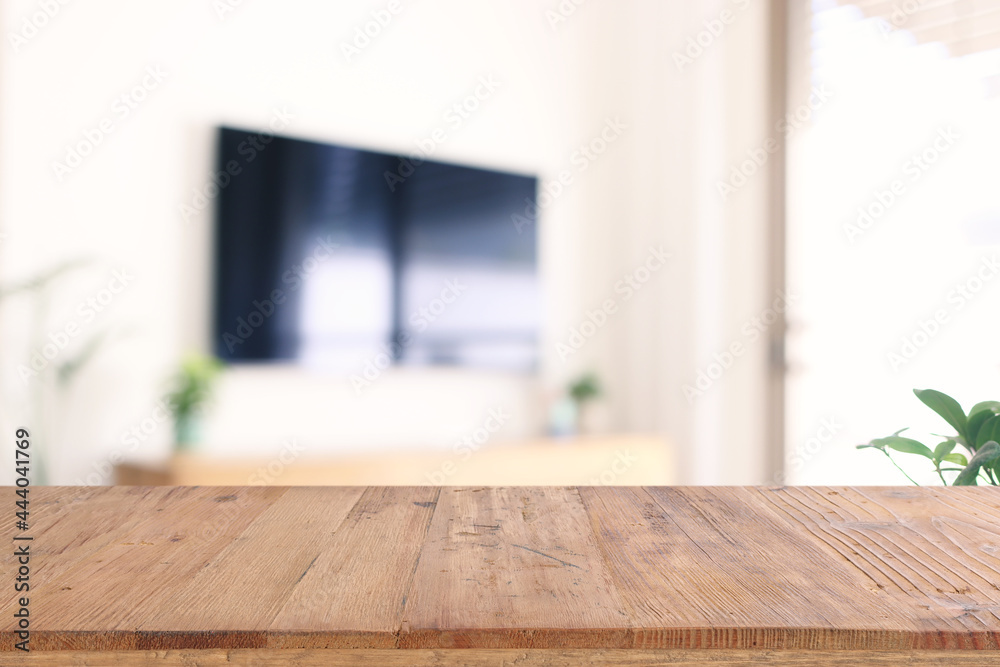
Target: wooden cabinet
x=619 y=460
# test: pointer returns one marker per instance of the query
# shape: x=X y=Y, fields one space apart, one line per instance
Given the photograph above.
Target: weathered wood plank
x=935 y=555
x=506 y=567
x=692 y=581
x=803 y=585
x=353 y=595
x=492 y=657
x=741 y=576
x=247 y=583
x=128 y=557
x=68 y=527
x=424 y=572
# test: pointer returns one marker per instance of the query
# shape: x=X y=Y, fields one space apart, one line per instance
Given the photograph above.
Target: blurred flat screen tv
x=337 y=257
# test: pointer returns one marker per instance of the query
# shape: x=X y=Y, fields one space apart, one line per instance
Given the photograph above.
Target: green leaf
x=989 y=431
x=991 y=406
x=986 y=455
x=956 y=458
x=947 y=407
x=976 y=422
x=901 y=444
x=943 y=450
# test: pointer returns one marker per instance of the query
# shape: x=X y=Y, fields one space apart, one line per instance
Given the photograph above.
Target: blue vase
x=187 y=432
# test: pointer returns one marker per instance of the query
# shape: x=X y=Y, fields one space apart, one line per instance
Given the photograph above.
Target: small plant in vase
x=977 y=432
x=582 y=392
x=192 y=388
x=566 y=414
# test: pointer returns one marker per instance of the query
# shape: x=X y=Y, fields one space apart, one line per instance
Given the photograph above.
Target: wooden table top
x=734 y=568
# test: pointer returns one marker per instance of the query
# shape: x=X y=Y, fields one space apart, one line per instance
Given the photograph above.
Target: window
x=893 y=227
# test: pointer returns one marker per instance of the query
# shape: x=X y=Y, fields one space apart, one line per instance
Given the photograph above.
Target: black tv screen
x=342 y=258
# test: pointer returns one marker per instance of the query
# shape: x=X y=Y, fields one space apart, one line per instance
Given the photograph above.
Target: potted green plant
x=583 y=392
x=192 y=388
x=977 y=432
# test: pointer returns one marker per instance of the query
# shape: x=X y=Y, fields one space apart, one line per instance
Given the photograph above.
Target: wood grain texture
x=420 y=575
x=312 y=515
x=932 y=553
x=740 y=585
x=486 y=657
x=353 y=595
x=125 y=559
x=500 y=565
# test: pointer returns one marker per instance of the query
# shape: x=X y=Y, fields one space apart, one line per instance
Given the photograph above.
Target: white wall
x=559 y=85
x=693 y=122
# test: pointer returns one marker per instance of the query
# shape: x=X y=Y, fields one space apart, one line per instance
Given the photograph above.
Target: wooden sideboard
x=690 y=576
x=624 y=460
